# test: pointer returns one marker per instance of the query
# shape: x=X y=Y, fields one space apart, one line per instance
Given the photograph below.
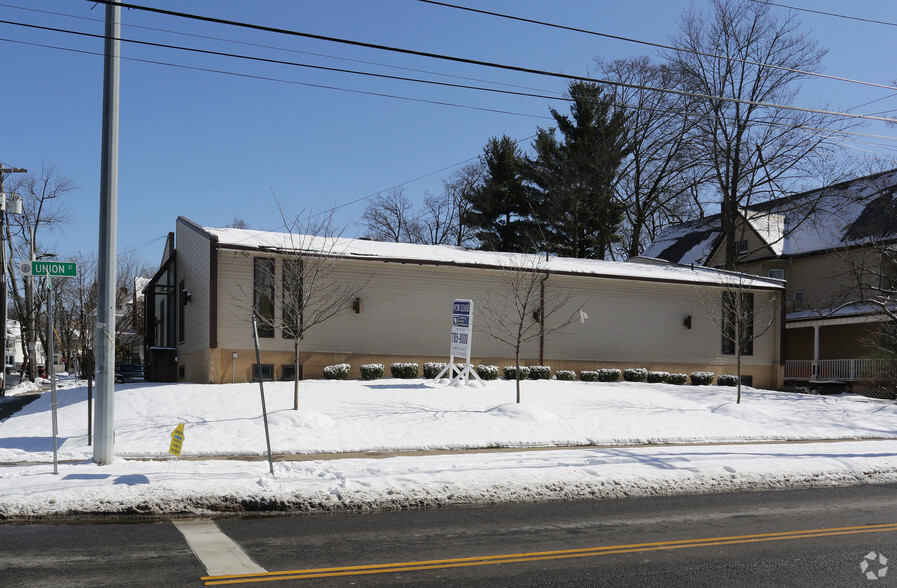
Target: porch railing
x=843 y=370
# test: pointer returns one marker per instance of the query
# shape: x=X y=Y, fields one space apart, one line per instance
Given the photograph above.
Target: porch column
x=814 y=370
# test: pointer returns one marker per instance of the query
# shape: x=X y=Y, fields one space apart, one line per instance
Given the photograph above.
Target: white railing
x=844 y=370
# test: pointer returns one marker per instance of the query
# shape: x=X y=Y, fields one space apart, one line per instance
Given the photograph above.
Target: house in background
x=200 y=302
x=835 y=248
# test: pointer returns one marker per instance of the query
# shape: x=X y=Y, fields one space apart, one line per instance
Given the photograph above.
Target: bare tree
x=660 y=174
x=742 y=313
x=522 y=306
x=391 y=217
x=43 y=212
x=76 y=318
x=743 y=61
x=312 y=290
x=238 y=223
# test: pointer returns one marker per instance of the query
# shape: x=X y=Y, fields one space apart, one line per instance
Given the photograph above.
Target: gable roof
x=855 y=212
x=362 y=249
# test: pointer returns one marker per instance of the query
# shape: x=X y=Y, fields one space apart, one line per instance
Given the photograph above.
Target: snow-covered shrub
x=658 y=377
x=635 y=375
x=432 y=369
x=511 y=372
x=565 y=375
x=678 y=379
x=406 y=371
x=339 y=371
x=371 y=371
x=609 y=375
x=702 y=378
x=487 y=372
x=540 y=372
x=727 y=380
x=588 y=376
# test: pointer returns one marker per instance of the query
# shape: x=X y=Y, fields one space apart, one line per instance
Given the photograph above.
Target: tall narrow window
x=738 y=322
x=263 y=295
x=293 y=301
x=182 y=292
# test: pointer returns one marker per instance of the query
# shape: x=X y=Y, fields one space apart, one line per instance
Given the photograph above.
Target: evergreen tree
x=499 y=211
x=572 y=179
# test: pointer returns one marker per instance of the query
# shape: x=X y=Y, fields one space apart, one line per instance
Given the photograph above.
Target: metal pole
x=258 y=364
x=105 y=333
x=3 y=287
x=52 y=351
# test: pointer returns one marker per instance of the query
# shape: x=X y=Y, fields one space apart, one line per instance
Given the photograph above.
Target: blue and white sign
x=462 y=323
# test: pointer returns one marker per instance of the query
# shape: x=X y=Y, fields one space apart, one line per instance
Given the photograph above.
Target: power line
x=482 y=63
x=281 y=80
x=822 y=12
x=285 y=49
x=284 y=62
x=656 y=45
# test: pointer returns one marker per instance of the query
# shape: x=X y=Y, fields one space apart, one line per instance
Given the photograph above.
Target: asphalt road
x=814 y=537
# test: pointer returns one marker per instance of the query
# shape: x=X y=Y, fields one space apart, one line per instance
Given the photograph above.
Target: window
x=738 y=322
x=798 y=298
x=183 y=293
x=263 y=295
x=293 y=302
x=741 y=247
x=777 y=273
x=288 y=371
x=267 y=372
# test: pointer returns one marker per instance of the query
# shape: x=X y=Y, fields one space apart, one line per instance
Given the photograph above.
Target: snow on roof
x=451 y=255
x=850 y=213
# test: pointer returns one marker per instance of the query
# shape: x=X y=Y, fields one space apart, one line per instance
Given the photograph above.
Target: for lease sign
x=462 y=323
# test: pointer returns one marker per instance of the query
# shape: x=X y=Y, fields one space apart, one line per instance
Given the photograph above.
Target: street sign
x=60 y=269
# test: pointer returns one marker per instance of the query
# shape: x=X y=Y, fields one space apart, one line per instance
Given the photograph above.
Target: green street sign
x=60 y=269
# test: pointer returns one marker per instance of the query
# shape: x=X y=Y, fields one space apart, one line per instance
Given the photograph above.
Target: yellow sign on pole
x=177 y=440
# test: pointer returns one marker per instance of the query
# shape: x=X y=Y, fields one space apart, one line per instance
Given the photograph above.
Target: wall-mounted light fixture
x=356 y=305
x=186 y=297
x=687 y=322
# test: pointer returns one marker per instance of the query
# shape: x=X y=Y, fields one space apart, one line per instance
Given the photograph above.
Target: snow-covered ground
x=627 y=429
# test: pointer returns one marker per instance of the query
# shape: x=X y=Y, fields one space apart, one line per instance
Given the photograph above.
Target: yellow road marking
x=539 y=555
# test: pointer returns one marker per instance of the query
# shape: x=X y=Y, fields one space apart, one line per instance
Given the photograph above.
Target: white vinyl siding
x=406 y=310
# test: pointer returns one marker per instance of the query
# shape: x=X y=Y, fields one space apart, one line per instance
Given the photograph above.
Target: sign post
x=50 y=269
x=462 y=330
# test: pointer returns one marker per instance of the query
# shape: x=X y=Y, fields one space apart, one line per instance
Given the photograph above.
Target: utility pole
x=5 y=202
x=105 y=333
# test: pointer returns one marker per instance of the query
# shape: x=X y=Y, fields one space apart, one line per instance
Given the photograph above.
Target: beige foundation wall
x=240 y=369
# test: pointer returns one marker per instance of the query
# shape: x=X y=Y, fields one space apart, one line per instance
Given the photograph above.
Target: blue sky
x=211 y=146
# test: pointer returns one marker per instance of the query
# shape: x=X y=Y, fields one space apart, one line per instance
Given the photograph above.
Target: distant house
x=661 y=317
x=835 y=248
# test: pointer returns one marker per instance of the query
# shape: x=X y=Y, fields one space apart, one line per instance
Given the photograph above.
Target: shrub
x=609 y=375
x=539 y=372
x=405 y=371
x=565 y=375
x=371 y=371
x=339 y=371
x=511 y=372
x=588 y=376
x=635 y=375
x=432 y=369
x=702 y=378
x=678 y=379
x=658 y=377
x=487 y=372
x=727 y=380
